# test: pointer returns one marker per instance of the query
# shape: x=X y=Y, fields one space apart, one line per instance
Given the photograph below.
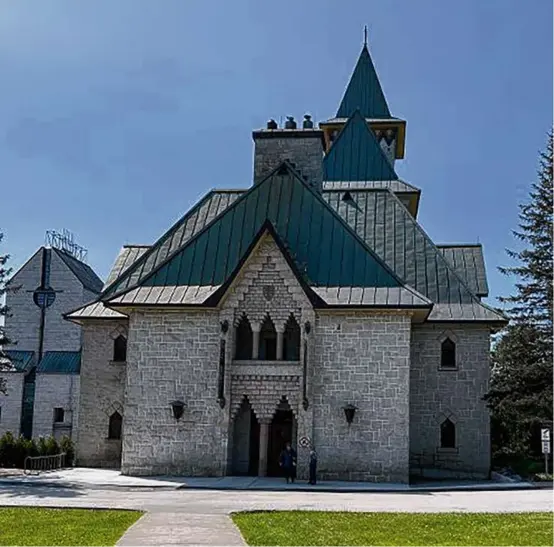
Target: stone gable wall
x=363 y=359
x=101 y=393
x=173 y=356
x=10 y=404
x=456 y=394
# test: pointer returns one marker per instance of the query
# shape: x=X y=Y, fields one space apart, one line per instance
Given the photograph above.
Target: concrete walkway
x=110 y=478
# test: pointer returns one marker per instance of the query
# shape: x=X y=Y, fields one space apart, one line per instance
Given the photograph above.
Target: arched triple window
x=114 y=427
x=448 y=353
x=243 y=340
x=120 y=349
x=448 y=434
x=291 y=340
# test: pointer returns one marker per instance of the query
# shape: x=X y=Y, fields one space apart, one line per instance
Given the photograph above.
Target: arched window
x=120 y=349
x=268 y=340
x=243 y=340
x=448 y=354
x=291 y=340
x=448 y=434
x=114 y=428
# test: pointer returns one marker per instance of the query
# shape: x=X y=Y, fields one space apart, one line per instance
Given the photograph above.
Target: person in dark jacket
x=313 y=465
x=287 y=461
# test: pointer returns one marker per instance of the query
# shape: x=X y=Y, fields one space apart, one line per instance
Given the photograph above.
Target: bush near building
x=14 y=450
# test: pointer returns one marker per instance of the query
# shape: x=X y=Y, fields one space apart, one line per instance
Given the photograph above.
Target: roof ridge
x=457 y=245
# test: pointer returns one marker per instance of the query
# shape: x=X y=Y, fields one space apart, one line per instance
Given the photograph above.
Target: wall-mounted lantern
x=307 y=327
x=224 y=326
x=349 y=412
x=178 y=409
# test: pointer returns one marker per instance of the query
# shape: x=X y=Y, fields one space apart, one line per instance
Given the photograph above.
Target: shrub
x=7 y=445
x=52 y=447
x=42 y=446
x=66 y=445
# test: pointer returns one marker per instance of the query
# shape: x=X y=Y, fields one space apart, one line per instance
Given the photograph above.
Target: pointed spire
x=356 y=155
x=364 y=90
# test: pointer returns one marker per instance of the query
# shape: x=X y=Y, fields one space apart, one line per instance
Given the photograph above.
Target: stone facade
x=456 y=394
x=362 y=359
x=10 y=403
x=102 y=388
x=173 y=356
x=56 y=391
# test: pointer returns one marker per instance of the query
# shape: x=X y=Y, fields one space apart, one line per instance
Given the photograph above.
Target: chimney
x=301 y=146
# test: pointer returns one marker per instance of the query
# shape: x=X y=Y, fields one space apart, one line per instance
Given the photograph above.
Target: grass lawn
x=326 y=528
x=38 y=526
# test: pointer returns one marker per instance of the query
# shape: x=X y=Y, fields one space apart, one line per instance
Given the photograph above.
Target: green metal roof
x=387 y=227
x=356 y=155
x=324 y=250
x=84 y=273
x=21 y=360
x=364 y=92
x=469 y=263
x=60 y=362
x=210 y=206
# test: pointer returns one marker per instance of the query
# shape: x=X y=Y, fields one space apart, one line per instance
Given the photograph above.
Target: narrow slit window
x=120 y=349
x=114 y=429
x=448 y=354
x=448 y=434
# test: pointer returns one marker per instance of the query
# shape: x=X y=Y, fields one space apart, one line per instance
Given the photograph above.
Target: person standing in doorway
x=287 y=460
x=313 y=465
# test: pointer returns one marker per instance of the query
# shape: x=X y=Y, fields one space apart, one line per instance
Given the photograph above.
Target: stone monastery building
x=310 y=306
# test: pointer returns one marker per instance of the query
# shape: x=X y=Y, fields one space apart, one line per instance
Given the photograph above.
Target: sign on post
x=545 y=440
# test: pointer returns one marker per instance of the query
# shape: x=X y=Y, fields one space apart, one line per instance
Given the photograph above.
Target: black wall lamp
x=178 y=409
x=349 y=412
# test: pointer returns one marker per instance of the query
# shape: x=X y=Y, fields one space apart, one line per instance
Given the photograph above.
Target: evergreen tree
x=521 y=382
x=4 y=275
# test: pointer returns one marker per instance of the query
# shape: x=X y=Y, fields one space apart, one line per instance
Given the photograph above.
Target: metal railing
x=33 y=465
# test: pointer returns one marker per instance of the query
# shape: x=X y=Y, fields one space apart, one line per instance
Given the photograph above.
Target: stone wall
x=363 y=359
x=455 y=394
x=102 y=393
x=10 y=404
x=174 y=356
x=56 y=391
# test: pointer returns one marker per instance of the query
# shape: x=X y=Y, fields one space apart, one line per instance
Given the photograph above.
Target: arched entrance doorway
x=282 y=429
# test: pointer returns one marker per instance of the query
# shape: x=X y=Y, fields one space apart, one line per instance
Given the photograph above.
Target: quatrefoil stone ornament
x=268 y=292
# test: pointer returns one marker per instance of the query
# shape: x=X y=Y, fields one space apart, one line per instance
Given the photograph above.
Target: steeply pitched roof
x=356 y=155
x=20 y=360
x=190 y=224
x=84 y=273
x=364 y=92
x=93 y=310
x=60 y=362
x=469 y=263
x=128 y=255
x=396 y=237
x=324 y=250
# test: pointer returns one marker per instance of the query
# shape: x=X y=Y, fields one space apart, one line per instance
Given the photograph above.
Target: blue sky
x=115 y=117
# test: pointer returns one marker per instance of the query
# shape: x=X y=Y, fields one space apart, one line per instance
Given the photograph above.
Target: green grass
x=38 y=526
x=326 y=528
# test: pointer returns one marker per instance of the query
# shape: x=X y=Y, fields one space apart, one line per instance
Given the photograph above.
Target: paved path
x=199 y=517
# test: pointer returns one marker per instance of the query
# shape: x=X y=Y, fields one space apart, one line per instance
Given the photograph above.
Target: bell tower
x=364 y=94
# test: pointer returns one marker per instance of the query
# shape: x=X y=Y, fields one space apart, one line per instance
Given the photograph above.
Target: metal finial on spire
x=365 y=36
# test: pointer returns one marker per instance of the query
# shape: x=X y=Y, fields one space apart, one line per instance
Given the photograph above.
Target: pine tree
x=4 y=275
x=521 y=382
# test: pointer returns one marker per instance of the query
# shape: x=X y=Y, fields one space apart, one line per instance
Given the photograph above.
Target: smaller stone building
x=43 y=385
